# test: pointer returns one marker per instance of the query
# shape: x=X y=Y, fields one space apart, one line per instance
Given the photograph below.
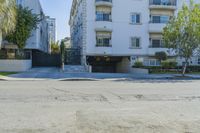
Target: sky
x=59 y=9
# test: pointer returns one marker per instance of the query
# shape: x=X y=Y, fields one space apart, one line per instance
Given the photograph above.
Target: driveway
x=157 y=106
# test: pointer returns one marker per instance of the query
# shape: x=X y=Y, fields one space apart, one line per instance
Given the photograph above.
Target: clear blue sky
x=59 y=9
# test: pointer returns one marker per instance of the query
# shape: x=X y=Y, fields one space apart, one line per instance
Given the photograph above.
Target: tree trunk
x=185 y=67
x=63 y=66
x=0 y=38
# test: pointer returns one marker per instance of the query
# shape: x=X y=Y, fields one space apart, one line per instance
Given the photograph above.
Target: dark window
x=103 y=42
x=135 y=18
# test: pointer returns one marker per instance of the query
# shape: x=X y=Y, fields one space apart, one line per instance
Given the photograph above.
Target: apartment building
x=113 y=34
x=51 y=31
x=39 y=39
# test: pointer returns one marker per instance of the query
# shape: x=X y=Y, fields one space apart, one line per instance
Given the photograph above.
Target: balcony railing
x=163 y=3
x=103 y=17
x=104 y=1
x=103 y=45
x=155 y=46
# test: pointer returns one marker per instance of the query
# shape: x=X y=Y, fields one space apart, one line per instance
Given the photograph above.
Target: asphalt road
x=143 y=106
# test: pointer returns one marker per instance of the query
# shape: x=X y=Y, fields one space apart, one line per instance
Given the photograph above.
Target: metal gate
x=72 y=56
x=40 y=59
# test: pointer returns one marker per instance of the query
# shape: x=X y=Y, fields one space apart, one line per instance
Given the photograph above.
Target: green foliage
x=7 y=16
x=138 y=64
x=62 y=51
x=182 y=33
x=161 y=56
x=176 y=70
x=168 y=64
x=55 y=48
x=7 y=73
x=26 y=22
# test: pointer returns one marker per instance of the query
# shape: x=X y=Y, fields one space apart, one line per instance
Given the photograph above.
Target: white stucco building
x=51 y=22
x=51 y=29
x=39 y=39
x=113 y=34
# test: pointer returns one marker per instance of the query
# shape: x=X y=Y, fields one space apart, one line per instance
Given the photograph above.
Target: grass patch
x=7 y=73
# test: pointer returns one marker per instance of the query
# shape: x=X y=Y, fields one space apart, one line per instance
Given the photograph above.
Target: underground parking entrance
x=109 y=64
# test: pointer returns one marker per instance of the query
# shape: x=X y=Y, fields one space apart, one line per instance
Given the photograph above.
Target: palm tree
x=55 y=47
x=7 y=17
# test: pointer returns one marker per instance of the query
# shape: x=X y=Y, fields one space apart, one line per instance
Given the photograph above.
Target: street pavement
x=136 y=106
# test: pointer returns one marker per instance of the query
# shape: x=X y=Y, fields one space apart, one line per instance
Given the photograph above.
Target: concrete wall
x=15 y=65
x=122 y=30
x=139 y=71
x=124 y=66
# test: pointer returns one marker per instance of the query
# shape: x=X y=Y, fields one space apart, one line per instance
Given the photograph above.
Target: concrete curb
x=4 y=78
x=149 y=77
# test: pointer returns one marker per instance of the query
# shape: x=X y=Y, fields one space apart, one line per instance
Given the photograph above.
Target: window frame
x=131 y=43
x=135 y=15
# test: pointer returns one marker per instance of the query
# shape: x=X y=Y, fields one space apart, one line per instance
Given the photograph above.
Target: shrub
x=161 y=56
x=138 y=64
x=168 y=64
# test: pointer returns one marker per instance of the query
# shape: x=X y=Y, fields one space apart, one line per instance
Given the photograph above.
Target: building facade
x=51 y=30
x=113 y=34
x=67 y=42
x=39 y=39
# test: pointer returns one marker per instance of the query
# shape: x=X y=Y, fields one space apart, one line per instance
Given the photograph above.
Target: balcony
x=100 y=16
x=161 y=4
x=156 y=27
x=103 y=3
x=152 y=51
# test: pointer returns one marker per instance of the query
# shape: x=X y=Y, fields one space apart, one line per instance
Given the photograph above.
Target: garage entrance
x=104 y=64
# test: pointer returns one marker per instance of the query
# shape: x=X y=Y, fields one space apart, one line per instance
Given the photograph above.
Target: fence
x=15 y=54
x=40 y=59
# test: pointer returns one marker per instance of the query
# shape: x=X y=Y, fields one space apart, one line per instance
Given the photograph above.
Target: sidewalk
x=52 y=73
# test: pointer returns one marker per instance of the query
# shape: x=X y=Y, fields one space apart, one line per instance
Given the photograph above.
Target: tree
x=26 y=22
x=55 y=48
x=182 y=33
x=161 y=56
x=7 y=17
x=62 y=51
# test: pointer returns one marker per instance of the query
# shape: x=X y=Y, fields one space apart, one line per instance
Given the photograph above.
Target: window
x=160 y=19
x=135 y=18
x=135 y=42
x=103 y=39
x=156 y=43
x=103 y=42
x=163 y=2
x=101 y=16
x=164 y=19
x=152 y=62
x=199 y=61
